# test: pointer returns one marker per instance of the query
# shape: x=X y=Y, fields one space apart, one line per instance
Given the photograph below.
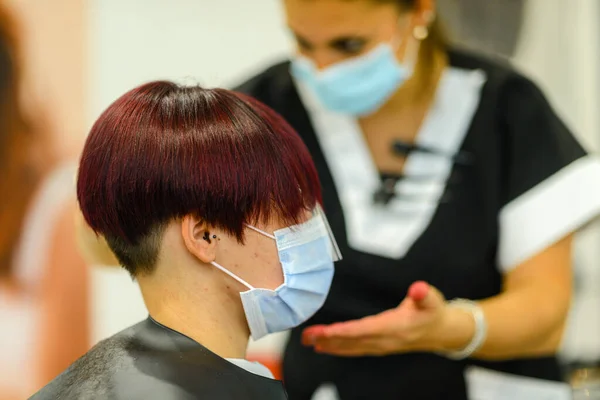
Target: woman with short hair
x=212 y=203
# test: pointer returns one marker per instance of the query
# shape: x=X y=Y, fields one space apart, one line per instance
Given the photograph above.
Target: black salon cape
x=516 y=143
x=149 y=361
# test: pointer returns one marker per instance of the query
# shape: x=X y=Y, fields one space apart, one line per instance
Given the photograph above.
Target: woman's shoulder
x=469 y=60
x=507 y=92
x=500 y=74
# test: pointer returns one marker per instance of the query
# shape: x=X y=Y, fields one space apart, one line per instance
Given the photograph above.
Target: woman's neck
x=210 y=318
x=422 y=85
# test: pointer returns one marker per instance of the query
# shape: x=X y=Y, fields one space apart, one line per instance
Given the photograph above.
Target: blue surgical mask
x=358 y=86
x=307 y=253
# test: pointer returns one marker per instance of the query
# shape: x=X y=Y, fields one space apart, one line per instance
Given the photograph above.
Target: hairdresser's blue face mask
x=361 y=85
x=307 y=252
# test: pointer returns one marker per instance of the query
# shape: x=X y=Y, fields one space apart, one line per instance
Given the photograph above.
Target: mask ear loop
x=411 y=53
x=231 y=274
x=261 y=232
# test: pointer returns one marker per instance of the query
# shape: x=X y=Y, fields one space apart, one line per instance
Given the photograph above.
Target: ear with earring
x=420 y=32
x=207 y=237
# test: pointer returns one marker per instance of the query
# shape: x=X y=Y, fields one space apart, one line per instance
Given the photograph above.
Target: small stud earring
x=214 y=236
x=420 y=32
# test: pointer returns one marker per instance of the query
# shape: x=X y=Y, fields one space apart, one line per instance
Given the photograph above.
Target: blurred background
x=80 y=55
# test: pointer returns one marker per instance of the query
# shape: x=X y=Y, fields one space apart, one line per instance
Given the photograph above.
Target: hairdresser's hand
x=417 y=324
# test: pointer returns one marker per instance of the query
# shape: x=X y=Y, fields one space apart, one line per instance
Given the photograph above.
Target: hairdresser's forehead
x=323 y=20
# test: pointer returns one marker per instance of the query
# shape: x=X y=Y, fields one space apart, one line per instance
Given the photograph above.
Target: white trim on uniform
x=390 y=231
x=549 y=211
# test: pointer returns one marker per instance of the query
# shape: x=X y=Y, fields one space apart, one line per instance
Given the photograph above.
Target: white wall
x=212 y=42
x=219 y=42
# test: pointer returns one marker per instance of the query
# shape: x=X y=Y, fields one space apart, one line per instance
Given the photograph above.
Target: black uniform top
x=495 y=178
x=150 y=361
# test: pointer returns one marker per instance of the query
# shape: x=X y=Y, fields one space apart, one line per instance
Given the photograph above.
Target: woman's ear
x=198 y=239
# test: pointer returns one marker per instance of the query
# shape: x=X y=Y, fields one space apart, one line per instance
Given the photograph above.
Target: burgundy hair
x=163 y=151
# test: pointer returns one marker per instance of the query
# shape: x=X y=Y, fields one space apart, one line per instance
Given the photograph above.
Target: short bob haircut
x=163 y=151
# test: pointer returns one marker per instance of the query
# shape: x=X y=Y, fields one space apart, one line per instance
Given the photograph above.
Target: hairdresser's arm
x=528 y=317
x=526 y=320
